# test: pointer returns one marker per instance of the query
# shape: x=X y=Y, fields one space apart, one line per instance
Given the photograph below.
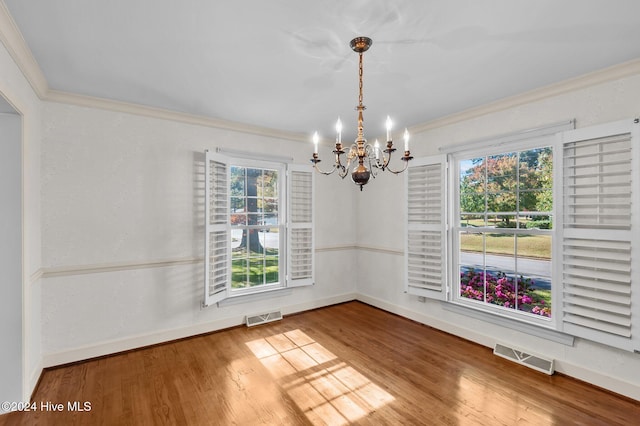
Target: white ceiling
x=287 y=65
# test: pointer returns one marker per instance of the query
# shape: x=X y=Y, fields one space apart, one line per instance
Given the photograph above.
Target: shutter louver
x=597 y=183
x=597 y=284
x=217 y=244
x=301 y=239
x=425 y=239
x=597 y=275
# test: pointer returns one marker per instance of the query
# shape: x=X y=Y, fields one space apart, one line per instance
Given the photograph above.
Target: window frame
x=281 y=224
x=455 y=229
x=218 y=250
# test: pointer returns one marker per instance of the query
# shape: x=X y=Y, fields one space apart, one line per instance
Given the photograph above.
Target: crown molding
x=164 y=114
x=604 y=75
x=17 y=47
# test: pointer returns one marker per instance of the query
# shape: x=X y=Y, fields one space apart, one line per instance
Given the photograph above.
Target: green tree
x=508 y=182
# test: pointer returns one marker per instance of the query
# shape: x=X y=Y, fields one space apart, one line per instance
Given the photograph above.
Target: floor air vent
x=531 y=361
x=263 y=318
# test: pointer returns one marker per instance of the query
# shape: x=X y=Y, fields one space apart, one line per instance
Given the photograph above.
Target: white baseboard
x=138 y=341
x=34 y=376
x=595 y=378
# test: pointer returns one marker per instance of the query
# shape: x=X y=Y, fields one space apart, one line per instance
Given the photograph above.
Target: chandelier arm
x=406 y=164
x=333 y=169
x=344 y=169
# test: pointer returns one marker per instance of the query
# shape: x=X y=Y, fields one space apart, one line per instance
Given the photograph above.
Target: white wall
x=123 y=232
x=18 y=92
x=383 y=286
x=11 y=356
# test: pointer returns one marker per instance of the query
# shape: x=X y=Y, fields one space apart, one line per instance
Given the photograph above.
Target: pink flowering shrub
x=501 y=290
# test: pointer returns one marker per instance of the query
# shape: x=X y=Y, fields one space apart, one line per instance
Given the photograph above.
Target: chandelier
x=371 y=159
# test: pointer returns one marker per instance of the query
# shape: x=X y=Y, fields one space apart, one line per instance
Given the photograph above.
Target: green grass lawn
x=532 y=246
x=250 y=272
x=544 y=294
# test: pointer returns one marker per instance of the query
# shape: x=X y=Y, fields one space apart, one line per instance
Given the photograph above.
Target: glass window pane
x=472 y=242
x=534 y=274
x=528 y=200
x=239 y=273
x=255 y=245
x=505 y=221
x=238 y=219
x=472 y=184
x=256 y=271
x=536 y=221
x=270 y=220
x=472 y=284
x=271 y=269
x=269 y=184
x=270 y=205
x=238 y=243
x=254 y=219
x=237 y=183
x=500 y=264
x=501 y=202
x=502 y=168
x=472 y=202
x=498 y=244
x=472 y=220
x=238 y=204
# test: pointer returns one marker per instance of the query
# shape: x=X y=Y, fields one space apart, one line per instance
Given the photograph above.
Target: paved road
x=539 y=270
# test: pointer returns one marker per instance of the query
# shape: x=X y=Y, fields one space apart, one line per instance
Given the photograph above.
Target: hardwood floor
x=345 y=364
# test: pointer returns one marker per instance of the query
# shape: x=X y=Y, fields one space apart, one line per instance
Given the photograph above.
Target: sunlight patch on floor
x=326 y=389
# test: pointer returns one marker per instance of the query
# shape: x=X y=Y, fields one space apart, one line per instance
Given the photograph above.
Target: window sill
x=544 y=333
x=253 y=296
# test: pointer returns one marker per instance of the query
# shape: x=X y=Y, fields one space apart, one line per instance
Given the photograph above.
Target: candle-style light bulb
x=376 y=148
x=406 y=139
x=388 y=125
x=339 y=130
x=315 y=142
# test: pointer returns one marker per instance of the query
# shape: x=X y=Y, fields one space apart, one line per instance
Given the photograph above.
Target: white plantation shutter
x=425 y=255
x=300 y=231
x=217 y=260
x=600 y=221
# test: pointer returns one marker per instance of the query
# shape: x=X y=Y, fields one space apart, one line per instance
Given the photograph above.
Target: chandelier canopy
x=370 y=157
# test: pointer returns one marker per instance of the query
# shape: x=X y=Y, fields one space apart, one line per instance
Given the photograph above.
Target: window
x=538 y=228
x=259 y=229
x=503 y=230
x=256 y=208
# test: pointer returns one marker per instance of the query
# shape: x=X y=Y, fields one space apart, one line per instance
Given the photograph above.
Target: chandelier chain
x=360 y=73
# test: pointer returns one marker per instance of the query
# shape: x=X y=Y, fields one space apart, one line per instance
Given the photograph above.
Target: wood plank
x=344 y=364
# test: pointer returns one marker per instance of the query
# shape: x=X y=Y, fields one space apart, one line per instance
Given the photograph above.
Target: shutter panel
x=425 y=245
x=217 y=251
x=599 y=221
x=300 y=263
